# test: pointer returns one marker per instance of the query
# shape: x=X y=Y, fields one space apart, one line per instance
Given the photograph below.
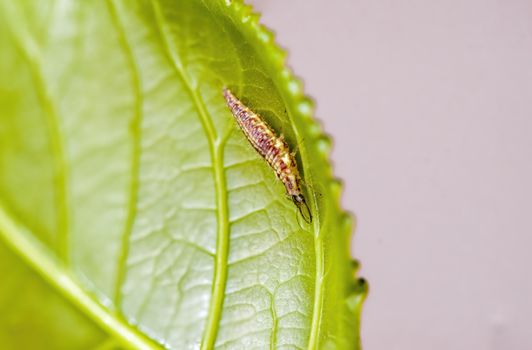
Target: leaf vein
x=135 y=158
x=29 y=48
x=216 y=147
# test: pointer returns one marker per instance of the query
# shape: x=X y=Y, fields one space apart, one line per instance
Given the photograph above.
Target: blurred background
x=430 y=107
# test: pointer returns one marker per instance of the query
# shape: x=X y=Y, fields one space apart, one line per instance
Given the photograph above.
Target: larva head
x=301 y=204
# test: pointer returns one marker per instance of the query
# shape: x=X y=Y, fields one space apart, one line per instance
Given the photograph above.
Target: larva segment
x=272 y=148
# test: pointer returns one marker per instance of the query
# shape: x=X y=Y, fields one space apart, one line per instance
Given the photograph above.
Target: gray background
x=430 y=107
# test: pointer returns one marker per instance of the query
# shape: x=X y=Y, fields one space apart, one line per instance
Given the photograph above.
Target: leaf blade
x=169 y=99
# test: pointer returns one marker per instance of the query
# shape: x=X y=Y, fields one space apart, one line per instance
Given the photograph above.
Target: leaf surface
x=134 y=211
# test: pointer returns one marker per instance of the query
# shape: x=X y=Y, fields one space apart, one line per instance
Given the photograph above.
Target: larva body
x=272 y=148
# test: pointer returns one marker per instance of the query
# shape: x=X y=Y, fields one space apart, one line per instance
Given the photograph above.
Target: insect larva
x=272 y=148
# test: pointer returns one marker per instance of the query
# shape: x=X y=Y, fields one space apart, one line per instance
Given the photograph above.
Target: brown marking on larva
x=272 y=148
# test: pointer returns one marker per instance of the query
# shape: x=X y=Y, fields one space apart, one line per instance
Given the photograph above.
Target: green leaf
x=133 y=212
